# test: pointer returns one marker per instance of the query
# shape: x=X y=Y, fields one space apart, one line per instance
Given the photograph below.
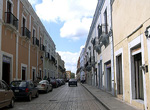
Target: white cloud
x=76 y=15
x=76 y=28
x=70 y=59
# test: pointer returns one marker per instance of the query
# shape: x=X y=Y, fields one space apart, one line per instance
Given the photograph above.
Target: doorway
x=119 y=76
x=108 y=76
x=138 y=77
x=6 y=72
x=33 y=74
x=23 y=73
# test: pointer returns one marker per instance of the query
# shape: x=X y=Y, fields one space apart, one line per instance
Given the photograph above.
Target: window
x=105 y=21
x=9 y=6
x=33 y=32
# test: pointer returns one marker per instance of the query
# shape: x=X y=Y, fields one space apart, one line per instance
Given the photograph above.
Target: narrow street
x=62 y=98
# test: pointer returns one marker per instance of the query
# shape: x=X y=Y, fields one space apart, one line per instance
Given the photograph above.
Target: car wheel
x=37 y=94
x=12 y=103
x=29 y=97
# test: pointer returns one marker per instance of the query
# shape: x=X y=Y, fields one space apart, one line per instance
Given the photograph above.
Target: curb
x=96 y=98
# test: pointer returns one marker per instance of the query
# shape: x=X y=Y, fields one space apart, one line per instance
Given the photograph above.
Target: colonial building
x=99 y=49
x=24 y=43
x=60 y=67
x=82 y=73
x=131 y=31
x=78 y=70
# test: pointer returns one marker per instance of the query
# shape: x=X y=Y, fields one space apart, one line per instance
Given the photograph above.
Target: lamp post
x=147 y=34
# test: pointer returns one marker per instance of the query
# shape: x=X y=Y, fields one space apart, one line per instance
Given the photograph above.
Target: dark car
x=59 y=82
x=72 y=82
x=24 y=89
x=53 y=82
x=7 y=97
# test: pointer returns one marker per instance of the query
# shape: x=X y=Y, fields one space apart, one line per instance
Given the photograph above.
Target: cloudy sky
x=68 y=23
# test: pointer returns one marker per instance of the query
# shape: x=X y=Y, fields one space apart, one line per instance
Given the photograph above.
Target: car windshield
x=18 y=84
x=72 y=80
x=43 y=81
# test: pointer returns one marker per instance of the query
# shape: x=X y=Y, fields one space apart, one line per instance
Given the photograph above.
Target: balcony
x=103 y=34
x=42 y=47
x=25 y=32
x=102 y=29
x=11 y=20
x=47 y=55
x=53 y=59
x=35 y=41
x=89 y=68
x=93 y=62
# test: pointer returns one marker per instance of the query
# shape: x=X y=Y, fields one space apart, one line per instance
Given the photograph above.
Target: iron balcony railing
x=35 y=41
x=11 y=19
x=42 y=47
x=102 y=29
x=26 y=32
x=52 y=58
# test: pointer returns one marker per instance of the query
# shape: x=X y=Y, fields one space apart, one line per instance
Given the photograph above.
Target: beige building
x=22 y=46
x=68 y=74
x=131 y=31
x=60 y=67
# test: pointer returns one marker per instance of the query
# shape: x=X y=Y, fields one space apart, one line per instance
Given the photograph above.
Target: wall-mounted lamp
x=147 y=34
x=41 y=58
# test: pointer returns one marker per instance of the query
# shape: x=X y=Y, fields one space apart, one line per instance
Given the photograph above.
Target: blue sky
x=68 y=23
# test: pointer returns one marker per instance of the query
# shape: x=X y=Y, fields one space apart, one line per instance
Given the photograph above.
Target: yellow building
x=131 y=33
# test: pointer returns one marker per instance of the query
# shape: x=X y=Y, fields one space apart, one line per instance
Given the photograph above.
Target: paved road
x=62 y=98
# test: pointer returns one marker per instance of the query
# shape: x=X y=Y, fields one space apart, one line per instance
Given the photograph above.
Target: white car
x=44 y=85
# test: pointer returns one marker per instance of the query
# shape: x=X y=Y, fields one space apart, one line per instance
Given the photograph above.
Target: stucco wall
x=127 y=16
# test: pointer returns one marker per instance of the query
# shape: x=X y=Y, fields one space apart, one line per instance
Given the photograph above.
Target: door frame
x=138 y=40
x=11 y=64
x=25 y=66
x=117 y=53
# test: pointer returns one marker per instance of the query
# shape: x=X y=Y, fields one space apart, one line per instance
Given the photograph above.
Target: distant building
x=68 y=74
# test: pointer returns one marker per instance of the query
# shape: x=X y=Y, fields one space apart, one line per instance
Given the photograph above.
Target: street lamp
x=41 y=58
x=147 y=34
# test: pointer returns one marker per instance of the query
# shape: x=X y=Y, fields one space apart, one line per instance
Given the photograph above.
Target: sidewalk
x=108 y=100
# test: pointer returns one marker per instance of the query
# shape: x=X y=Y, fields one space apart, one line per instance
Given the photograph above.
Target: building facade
x=99 y=49
x=116 y=54
x=22 y=42
x=82 y=73
x=131 y=51
x=61 y=71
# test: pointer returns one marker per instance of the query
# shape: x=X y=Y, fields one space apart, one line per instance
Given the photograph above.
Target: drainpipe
x=112 y=53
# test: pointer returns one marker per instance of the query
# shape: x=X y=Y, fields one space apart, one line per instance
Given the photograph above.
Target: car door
x=8 y=93
x=2 y=96
x=32 y=89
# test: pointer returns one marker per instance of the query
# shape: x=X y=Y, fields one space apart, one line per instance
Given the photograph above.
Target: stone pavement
x=108 y=100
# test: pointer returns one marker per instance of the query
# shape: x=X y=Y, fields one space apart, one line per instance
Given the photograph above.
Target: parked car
x=7 y=97
x=59 y=82
x=24 y=89
x=63 y=81
x=54 y=83
x=44 y=85
x=72 y=82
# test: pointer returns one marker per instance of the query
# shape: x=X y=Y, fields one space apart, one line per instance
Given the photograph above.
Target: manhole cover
x=52 y=100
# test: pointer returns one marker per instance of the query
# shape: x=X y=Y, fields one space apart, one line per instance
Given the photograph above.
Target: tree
x=72 y=75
